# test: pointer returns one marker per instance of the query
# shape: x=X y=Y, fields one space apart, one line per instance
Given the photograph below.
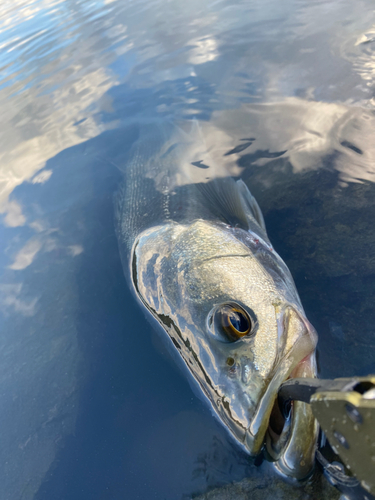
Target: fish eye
x=234 y=321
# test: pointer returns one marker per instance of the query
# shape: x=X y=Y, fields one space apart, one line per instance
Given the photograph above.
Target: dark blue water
x=91 y=404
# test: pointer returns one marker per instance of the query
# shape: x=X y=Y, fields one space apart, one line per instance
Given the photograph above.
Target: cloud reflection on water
x=10 y=300
x=304 y=132
x=26 y=255
x=308 y=132
x=166 y=53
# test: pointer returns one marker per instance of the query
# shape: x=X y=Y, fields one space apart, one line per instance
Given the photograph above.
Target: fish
x=195 y=249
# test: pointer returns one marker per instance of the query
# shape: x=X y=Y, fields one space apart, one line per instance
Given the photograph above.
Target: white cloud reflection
x=308 y=132
x=46 y=240
x=75 y=250
x=45 y=118
x=364 y=58
x=14 y=216
x=203 y=50
x=42 y=177
x=26 y=255
x=21 y=159
x=11 y=300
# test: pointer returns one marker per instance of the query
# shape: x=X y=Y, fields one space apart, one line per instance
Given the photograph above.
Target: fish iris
x=235 y=322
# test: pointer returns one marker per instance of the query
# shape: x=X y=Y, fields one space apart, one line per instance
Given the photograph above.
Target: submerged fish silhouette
x=202 y=265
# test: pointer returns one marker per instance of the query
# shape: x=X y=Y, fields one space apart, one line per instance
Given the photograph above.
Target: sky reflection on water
x=90 y=402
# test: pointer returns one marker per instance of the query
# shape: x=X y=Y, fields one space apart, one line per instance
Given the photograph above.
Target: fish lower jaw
x=291 y=442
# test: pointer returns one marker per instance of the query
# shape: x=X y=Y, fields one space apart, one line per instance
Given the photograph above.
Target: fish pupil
x=239 y=321
x=231 y=323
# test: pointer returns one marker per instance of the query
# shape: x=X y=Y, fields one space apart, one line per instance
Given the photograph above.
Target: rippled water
x=91 y=406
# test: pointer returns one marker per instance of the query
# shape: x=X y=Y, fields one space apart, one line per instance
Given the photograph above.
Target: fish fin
x=232 y=202
x=251 y=204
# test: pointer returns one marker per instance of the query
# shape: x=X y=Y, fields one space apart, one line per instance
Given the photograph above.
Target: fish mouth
x=291 y=436
x=290 y=441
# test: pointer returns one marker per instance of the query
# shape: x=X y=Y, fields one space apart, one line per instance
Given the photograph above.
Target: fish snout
x=298 y=334
x=290 y=441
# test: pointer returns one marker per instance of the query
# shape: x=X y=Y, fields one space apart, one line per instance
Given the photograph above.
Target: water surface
x=91 y=403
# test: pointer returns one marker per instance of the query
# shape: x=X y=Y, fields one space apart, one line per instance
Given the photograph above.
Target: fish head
x=229 y=304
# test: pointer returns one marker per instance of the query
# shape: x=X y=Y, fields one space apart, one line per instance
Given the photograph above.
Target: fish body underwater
x=200 y=262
